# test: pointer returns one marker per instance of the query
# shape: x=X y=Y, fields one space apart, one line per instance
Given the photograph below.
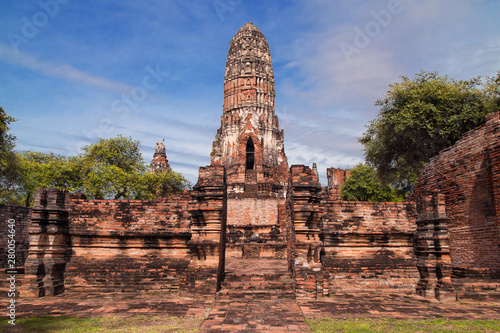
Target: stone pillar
x=49 y=245
x=304 y=206
x=432 y=248
x=207 y=247
x=336 y=178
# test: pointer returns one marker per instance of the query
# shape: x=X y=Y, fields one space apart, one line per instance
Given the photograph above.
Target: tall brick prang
x=248 y=124
x=249 y=144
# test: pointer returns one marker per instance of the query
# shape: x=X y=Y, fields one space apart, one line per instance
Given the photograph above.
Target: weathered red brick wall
x=252 y=211
x=127 y=245
x=349 y=247
x=368 y=247
x=468 y=175
x=21 y=216
x=112 y=245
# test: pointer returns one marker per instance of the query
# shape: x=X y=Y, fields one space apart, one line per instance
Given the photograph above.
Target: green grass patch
x=143 y=324
x=402 y=325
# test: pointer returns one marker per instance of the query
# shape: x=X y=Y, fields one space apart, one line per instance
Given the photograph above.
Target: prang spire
x=249 y=127
x=249 y=78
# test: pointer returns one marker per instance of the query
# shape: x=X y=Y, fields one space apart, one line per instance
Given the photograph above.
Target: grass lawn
x=401 y=325
x=145 y=324
x=141 y=324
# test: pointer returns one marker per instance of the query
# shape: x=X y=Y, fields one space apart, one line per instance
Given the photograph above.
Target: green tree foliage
x=40 y=170
x=9 y=176
x=492 y=91
x=364 y=184
x=9 y=181
x=7 y=141
x=114 y=169
x=161 y=184
x=420 y=117
x=109 y=169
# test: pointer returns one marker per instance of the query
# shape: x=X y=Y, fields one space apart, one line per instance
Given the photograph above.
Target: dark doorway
x=250 y=154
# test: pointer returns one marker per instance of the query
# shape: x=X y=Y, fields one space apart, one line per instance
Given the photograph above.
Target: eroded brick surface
x=250 y=209
x=468 y=176
x=21 y=216
x=349 y=247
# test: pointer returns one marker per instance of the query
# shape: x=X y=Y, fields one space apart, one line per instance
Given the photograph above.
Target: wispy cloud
x=323 y=101
x=63 y=71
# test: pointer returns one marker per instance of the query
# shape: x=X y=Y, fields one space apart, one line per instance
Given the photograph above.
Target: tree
x=10 y=192
x=162 y=184
x=7 y=141
x=420 y=117
x=492 y=91
x=8 y=161
x=363 y=184
x=111 y=168
x=41 y=171
x=114 y=169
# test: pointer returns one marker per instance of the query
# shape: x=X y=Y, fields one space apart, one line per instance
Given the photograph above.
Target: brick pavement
x=257 y=315
x=113 y=305
x=398 y=307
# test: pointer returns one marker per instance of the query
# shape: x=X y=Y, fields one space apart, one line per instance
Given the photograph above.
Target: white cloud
x=323 y=100
x=333 y=95
x=63 y=71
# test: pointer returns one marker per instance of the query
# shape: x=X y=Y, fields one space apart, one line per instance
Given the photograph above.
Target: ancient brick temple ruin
x=252 y=225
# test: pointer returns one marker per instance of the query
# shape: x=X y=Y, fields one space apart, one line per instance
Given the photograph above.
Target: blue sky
x=73 y=71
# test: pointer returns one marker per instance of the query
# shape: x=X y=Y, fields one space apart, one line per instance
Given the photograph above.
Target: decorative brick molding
x=304 y=196
x=208 y=211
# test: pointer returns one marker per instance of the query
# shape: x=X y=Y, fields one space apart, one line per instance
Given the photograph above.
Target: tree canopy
x=9 y=163
x=420 y=117
x=108 y=169
x=114 y=169
x=363 y=184
x=7 y=141
x=40 y=170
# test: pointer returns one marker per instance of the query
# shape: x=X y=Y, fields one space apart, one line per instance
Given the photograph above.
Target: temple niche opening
x=250 y=154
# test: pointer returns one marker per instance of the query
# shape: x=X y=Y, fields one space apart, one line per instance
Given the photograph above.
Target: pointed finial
x=315 y=169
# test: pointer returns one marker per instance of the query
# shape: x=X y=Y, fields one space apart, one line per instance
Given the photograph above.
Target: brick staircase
x=257 y=278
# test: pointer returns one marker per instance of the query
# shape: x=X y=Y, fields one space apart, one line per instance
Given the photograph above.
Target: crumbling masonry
x=250 y=208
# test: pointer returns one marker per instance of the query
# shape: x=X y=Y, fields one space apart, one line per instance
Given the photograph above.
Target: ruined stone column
x=304 y=206
x=49 y=251
x=432 y=248
x=207 y=246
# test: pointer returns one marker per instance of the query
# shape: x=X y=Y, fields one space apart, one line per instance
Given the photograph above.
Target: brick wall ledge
x=156 y=234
